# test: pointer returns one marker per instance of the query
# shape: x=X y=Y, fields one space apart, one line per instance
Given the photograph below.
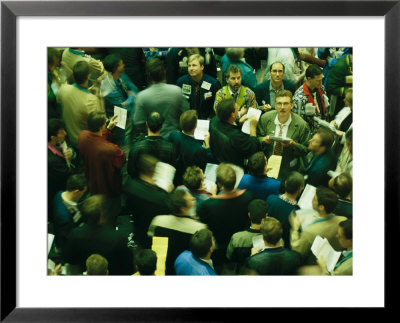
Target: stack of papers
x=305 y=201
x=274 y=166
x=164 y=175
x=322 y=248
x=160 y=247
x=281 y=139
x=201 y=129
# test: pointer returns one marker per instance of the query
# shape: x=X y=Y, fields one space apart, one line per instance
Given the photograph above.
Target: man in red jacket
x=103 y=160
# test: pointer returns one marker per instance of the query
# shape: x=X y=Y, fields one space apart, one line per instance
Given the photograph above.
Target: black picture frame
x=10 y=10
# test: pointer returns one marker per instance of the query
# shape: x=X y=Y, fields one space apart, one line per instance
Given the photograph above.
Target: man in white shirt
x=282 y=122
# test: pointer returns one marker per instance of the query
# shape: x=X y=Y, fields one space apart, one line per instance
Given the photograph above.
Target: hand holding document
x=121 y=117
x=250 y=113
x=322 y=248
x=202 y=129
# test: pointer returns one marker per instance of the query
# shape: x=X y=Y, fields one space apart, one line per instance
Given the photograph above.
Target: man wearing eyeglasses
x=266 y=91
x=295 y=132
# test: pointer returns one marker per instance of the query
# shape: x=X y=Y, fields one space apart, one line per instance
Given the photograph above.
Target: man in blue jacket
x=199 y=88
x=198 y=260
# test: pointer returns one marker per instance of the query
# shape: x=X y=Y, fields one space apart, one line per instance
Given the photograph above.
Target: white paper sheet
x=122 y=115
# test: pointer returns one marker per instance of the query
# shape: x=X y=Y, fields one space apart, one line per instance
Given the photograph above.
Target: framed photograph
x=29 y=27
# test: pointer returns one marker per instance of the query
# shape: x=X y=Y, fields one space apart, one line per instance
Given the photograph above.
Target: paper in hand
x=246 y=124
x=121 y=116
x=201 y=129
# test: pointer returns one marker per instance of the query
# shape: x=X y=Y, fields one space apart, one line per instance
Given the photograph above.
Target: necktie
x=278 y=145
x=235 y=95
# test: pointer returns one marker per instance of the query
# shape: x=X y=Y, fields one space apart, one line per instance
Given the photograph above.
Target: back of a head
x=155 y=122
x=176 y=200
x=226 y=176
x=146 y=164
x=327 y=137
x=188 y=120
x=258 y=210
x=225 y=109
x=92 y=208
x=343 y=185
x=193 y=177
x=76 y=182
x=81 y=72
x=111 y=62
x=271 y=229
x=155 y=70
x=327 y=198
x=347 y=226
x=146 y=262
x=96 y=265
x=257 y=164
x=95 y=120
x=53 y=126
x=312 y=71
x=294 y=182
x=234 y=54
x=201 y=242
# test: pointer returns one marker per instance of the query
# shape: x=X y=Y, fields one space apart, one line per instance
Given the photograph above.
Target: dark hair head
x=53 y=126
x=188 y=120
x=111 y=62
x=92 y=208
x=257 y=164
x=146 y=262
x=81 y=72
x=155 y=121
x=234 y=54
x=176 y=201
x=233 y=68
x=294 y=182
x=51 y=53
x=96 y=265
x=258 y=210
x=271 y=229
x=193 y=177
x=76 y=182
x=327 y=198
x=226 y=176
x=225 y=109
x=277 y=62
x=284 y=93
x=327 y=137
x=312 y=71
x=95 y=120
x=201 y=242
x=343 y=185
x=146 y=164
x=347 y=226
x=155 y=70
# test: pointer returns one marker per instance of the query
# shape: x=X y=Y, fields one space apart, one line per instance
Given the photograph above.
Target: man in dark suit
x=227 y=141
x=266 y=91
x=293 y=127
x=190 y=151
x=95 y=237
x=324 y=158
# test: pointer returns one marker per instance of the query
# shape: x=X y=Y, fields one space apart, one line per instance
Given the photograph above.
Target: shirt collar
x=271 y=88
x=230 y=91
x=209 y=261
x=287 y=123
